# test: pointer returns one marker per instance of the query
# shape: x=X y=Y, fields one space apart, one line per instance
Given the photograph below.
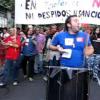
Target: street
x=25 y=90
x=36 y=90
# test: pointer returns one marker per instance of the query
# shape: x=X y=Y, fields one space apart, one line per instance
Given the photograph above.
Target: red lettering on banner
x=96 y=3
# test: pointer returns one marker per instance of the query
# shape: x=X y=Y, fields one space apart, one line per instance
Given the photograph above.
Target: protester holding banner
x=74 y=46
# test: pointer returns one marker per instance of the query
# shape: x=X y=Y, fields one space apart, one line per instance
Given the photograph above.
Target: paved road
x=25 y=90
x=36 y=90
x=94 y=91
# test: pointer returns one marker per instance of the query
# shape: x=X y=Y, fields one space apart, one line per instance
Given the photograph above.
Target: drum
x=65 y=83
x=52 y=85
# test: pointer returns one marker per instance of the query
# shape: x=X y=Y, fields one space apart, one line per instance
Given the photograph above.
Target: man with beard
x=73 y=46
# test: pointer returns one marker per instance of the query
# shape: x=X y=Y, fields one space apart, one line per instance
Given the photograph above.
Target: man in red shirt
x=12 y=46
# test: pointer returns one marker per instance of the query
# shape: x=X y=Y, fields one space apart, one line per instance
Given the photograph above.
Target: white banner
x=56 y=11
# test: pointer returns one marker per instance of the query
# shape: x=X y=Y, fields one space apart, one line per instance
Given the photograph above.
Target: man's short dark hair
x=5 y=28
x=18 y=28
x=52 y=26
x=68 y=20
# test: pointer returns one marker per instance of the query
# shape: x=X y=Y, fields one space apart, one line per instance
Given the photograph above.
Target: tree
x=9 y=4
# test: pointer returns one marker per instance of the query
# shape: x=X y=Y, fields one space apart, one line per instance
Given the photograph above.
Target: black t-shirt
x=96 y=44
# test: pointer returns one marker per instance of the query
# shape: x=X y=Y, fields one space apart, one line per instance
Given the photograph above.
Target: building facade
x=6 y=19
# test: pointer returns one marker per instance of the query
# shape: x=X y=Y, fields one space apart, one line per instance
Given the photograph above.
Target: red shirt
x=13 y=53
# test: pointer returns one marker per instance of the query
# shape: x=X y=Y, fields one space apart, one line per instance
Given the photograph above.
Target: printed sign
x=56 y=11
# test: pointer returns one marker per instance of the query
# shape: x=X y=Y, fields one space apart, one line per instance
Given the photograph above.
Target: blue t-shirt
x=76 y=43
x=30 y=48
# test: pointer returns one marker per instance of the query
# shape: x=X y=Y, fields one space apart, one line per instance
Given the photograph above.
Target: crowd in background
x=30 y=51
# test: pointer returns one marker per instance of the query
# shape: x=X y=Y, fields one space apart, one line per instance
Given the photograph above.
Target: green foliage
x=7 y=4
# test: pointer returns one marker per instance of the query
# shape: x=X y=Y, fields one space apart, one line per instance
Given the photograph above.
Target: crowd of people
x=31 y=50
x=24 y=50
